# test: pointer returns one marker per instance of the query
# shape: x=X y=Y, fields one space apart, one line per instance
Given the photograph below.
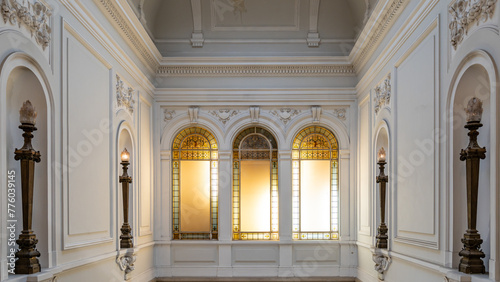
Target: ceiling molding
x=383 y=18
x=257 y=70
x=406 y=30
x=99 y=32
x=131 y=30
x=229 y=96
x=376 y=30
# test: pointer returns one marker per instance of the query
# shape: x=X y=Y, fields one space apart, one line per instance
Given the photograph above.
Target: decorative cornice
x=224 y=115
x=285 y=114
x=124 y=96
x=383 y=94
x=384 y=24
x=371 y=37
x=35 y=16
x=464 y=13
x=132 y=36
x=257 y=70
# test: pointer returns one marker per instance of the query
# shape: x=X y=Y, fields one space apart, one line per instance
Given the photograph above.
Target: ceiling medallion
x=239 y=6
x=223 y=6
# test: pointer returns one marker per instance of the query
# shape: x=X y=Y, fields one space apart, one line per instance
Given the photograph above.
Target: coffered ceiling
x=242 y=28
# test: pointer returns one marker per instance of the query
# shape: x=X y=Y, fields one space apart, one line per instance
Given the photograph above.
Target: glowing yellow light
x=125 y=156
x=195 y=196
x=381 y=155
x=255 y=196
x=315 y=195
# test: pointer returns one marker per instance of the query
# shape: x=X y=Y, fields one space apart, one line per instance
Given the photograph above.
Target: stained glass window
x=255 y=186
x=195 y=199
x=315 y=182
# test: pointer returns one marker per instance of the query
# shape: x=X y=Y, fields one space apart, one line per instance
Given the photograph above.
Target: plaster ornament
x=316 y=113
x=124 y=96
x=254 y=113
x=224 y=115
x=285 y=114
x=464 y=14
x=34 y=16
x=383 y=94
x=168 y=115
x=340 y=114
x=193 y=114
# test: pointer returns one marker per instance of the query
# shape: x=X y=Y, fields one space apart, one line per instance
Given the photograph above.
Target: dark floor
x=259 y=279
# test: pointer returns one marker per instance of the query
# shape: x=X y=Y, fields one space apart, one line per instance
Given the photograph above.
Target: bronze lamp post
x=382 y=179
x=27 y=262
x=125 y=179
x=471 y=253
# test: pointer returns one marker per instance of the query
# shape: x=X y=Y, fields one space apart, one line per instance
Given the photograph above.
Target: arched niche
x=473 y=81
x=21 y=85
x=125 y=141
x=382 y=140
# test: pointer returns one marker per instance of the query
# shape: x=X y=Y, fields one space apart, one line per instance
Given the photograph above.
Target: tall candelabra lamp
x=471 y=253
x=382 y=179
x=125 y=180
x=27 y=254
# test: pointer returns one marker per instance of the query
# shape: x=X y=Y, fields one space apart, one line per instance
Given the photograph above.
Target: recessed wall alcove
x=473 y=79
x=125 y=141
x=382 y=141
x=21 y=85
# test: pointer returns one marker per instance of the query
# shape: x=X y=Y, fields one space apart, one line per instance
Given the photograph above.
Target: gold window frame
x=240 y=154
x=194 y=144
x=315 y=143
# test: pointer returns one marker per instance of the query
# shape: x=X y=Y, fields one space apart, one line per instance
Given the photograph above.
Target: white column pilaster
x=225 y=213
x=285 y=213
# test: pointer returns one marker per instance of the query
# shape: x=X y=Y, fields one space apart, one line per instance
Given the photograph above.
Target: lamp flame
x=27 y=113
x=381 y=155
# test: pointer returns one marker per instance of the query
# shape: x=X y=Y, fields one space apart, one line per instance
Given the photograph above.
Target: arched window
x=255 y=185
x=195 y=185
x=315 y=185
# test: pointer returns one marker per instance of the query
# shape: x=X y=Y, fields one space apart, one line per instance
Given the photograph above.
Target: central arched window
x=195 y=185
x=255 y=185
x=315 y=185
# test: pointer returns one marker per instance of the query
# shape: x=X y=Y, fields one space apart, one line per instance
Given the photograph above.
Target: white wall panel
x=145 y=168
x=364 y=169
x=194 y=254
x=322 y=254
x=86 y=152
x=255 y=254
x=416 y=153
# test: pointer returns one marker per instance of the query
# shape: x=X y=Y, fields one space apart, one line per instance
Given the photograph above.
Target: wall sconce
x=27 y=254
x=471 y=253
x=125 y=179
x=382 y=179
